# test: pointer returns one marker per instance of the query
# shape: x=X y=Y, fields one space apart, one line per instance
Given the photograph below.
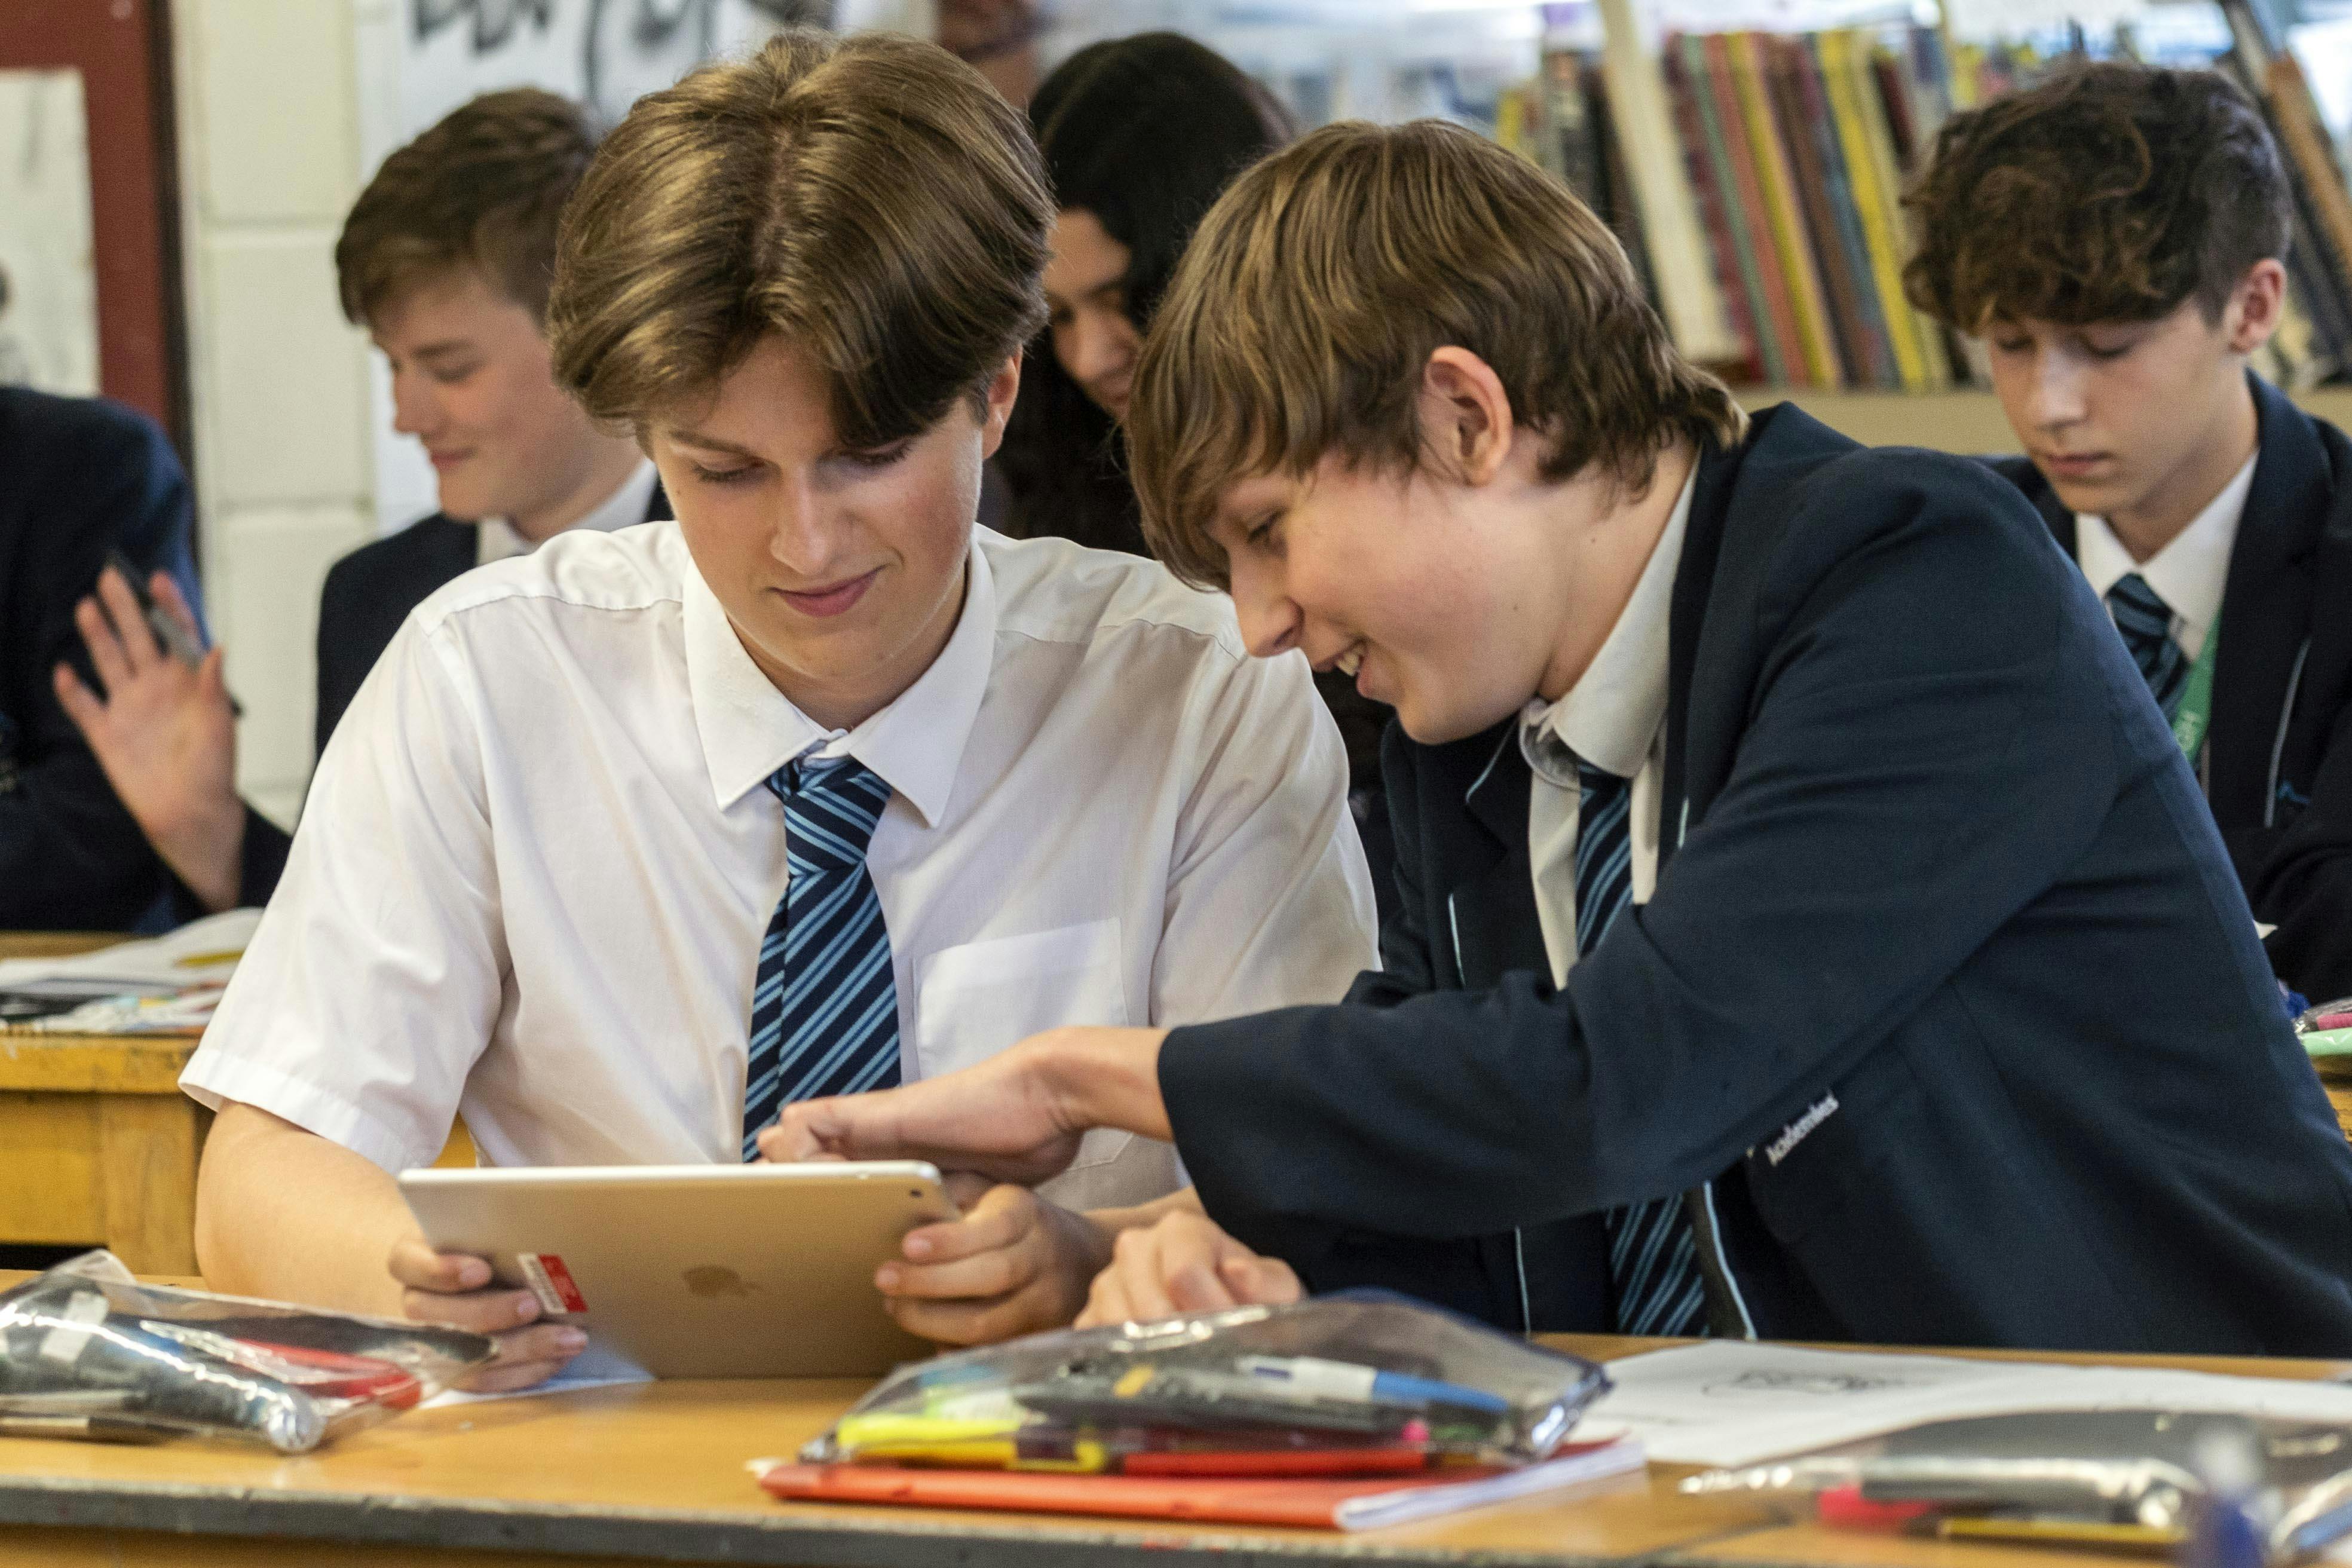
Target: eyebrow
x=442 y=350
x=707 y=443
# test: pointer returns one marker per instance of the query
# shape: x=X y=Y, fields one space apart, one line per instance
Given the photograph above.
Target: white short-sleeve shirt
x=537 y=861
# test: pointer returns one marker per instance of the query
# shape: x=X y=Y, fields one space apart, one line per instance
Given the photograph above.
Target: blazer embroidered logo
x=1794 y=1133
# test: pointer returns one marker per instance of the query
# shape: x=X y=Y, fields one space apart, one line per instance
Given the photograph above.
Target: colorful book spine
x=1808 y=304
x=1751 y=226
x=1814 y=205
x=1813 y=114
x=1869 y=169
x=1710 y=177
x=1893 y=98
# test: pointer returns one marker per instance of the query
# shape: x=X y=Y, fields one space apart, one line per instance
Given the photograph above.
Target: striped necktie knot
x=831 y=805
x=2145 y=623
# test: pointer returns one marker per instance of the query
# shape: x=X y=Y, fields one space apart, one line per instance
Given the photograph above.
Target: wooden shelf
x=1966 y=421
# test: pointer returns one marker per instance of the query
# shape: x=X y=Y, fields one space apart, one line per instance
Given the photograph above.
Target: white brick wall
x=269 y=138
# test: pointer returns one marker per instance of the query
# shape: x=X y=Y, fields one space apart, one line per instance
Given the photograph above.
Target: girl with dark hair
x=1139 y=136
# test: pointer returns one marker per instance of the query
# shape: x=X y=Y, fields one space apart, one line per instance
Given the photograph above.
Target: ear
x=1466 y=416
x=1003 y=389
x=2257 y=306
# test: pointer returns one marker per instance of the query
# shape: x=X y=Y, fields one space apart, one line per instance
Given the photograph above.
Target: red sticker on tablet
x=551 y=1282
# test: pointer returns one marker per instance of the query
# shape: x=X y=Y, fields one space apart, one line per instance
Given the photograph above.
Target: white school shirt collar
x=748 y=729
x=494 y=538
x=1611 y=716
x=2190 y=574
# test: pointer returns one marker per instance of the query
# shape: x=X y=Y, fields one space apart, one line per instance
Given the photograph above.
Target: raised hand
x=165 y=732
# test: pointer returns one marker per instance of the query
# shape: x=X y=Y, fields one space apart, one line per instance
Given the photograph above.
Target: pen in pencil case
x=1322 y=1378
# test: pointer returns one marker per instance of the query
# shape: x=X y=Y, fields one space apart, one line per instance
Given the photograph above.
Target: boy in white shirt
x=543 y=877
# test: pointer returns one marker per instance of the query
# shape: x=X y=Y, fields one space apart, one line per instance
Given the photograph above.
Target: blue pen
x=1326 y=1379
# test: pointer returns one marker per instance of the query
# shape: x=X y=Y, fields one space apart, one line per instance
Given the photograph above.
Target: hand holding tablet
x=760 y=1270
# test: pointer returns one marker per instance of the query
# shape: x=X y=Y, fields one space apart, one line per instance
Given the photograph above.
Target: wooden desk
x=97 y=1145
x=655 y=1473
x=2336 y=1077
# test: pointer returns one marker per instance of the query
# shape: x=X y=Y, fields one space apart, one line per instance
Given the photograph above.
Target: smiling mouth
x=1347 y=661
x=830 y=600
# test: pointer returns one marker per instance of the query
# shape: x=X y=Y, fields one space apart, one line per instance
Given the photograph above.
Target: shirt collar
x=748 y=729
x=624 y=508
x=1612 y=715
x=2190 y=574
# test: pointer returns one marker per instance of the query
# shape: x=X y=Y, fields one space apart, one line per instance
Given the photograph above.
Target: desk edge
x=790 y=1536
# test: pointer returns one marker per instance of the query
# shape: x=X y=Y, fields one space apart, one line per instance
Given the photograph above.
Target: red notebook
x=1357 y=1503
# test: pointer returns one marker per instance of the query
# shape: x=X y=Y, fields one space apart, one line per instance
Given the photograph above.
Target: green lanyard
x=2196 y=711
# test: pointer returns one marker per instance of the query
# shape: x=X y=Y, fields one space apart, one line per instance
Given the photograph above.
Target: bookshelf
x=1963 y=420
x=1753 y=159
x=1818 y=109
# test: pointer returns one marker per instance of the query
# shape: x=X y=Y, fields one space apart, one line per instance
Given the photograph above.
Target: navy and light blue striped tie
x=2146 y=622
x=824 y=1006
x=1653 y=1255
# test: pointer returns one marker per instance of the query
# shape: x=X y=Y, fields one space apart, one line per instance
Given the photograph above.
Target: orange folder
x=1359 y=1503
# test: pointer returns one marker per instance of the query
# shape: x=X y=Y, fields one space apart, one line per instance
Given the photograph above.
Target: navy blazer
x=1947 y=1009
x=368 y=594
x=78 y=477
x=2278 y=758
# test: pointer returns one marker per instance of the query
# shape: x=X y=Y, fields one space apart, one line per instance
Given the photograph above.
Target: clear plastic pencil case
x=1360 y=1375
x=2147 y=1471
x=86 y=1351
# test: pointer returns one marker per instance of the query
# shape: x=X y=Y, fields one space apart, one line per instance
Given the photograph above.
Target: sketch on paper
x=49 y=278
x=637 y=47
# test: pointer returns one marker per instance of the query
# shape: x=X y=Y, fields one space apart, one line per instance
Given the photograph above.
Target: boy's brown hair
x=871 y=198
x=484 y=188
x=1317 y=287
x=2110 y=192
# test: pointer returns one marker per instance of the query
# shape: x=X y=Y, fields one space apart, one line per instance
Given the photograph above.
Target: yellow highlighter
x=970 y=1443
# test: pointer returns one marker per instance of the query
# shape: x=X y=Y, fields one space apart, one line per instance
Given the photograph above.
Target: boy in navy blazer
x=1809 y=927
x=2118 y=237
x=79 y=477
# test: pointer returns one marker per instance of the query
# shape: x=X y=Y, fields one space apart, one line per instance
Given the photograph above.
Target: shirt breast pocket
x=973 y=1001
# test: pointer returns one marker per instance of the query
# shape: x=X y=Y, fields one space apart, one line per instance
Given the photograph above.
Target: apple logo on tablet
x=710 y=1281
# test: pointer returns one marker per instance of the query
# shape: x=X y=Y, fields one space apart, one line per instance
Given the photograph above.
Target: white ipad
x=698 y=1270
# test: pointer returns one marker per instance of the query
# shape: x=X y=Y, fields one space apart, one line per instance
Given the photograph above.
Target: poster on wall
x=48 y=280
x=607 y=53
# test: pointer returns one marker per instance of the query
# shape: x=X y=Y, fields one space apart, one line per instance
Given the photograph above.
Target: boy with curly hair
x=2116 y=237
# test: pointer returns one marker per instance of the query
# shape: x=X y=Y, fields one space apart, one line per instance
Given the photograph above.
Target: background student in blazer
x=1810 y=927
x=629 y=842
x=445 y=258
x=78 y=477
x=2115 y=235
